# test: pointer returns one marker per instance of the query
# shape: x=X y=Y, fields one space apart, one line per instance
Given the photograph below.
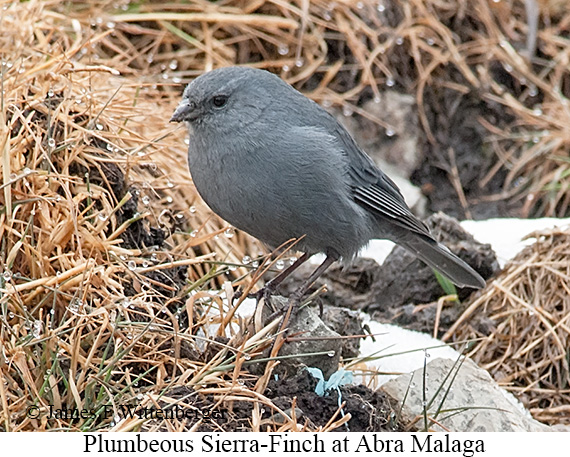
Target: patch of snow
x=506 y=235
x=398 y=350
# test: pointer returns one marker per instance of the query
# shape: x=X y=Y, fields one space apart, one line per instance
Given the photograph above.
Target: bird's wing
x=375 y=191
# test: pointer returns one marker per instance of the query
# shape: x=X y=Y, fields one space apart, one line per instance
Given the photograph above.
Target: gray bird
x=276 y=165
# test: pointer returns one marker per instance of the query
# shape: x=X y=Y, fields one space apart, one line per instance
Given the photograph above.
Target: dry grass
x=93 y=304
x=343 y=53
x=523 y=320
x=95 y=307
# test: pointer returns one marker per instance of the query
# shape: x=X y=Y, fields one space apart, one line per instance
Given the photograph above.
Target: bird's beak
x=186 y=111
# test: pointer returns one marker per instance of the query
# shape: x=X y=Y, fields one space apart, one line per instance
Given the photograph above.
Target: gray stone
x=487 y=407
x=310 y=335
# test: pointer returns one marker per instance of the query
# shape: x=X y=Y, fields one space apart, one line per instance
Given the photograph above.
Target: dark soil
x=461 y=150
x=370 y=411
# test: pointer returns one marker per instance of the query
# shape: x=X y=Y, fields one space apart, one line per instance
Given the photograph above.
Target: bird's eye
x=220 y=100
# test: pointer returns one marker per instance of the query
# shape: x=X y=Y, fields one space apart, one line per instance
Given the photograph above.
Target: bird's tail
x=443 y=260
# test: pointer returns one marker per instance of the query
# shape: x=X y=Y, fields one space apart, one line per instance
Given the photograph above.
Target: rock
x=488 y=408
x=345 y=322
x=346 y=287
x=310 y=335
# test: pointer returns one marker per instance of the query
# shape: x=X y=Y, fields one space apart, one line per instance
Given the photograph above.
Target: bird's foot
x=296 y=301
x=263 y=293
x=293 y=304
x=282 y=305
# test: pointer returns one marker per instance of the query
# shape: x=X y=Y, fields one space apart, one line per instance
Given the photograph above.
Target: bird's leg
x=295 y=298
x=273 y=284
x=301 y=291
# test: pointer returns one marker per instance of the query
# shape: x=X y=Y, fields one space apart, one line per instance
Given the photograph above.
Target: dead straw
x=523 y=318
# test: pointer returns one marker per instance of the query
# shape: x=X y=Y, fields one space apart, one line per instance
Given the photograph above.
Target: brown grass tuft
x=102 y=232
x=523 y=318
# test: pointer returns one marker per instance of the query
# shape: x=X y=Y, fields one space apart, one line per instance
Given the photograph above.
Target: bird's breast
x=279 y=196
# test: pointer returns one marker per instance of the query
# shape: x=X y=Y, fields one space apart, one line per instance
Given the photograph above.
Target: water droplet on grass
x=532 y=91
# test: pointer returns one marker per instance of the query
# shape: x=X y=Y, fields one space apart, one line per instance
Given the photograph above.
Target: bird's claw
x=264 y=293
x=293 y=303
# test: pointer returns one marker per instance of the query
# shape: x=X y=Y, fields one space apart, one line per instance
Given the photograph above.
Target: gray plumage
x=276 y=165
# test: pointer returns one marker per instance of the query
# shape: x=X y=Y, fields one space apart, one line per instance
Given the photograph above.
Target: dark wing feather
x=386 y=206
x=375 y=191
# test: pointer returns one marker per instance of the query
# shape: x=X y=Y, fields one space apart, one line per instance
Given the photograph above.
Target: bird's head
x=227 y=98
